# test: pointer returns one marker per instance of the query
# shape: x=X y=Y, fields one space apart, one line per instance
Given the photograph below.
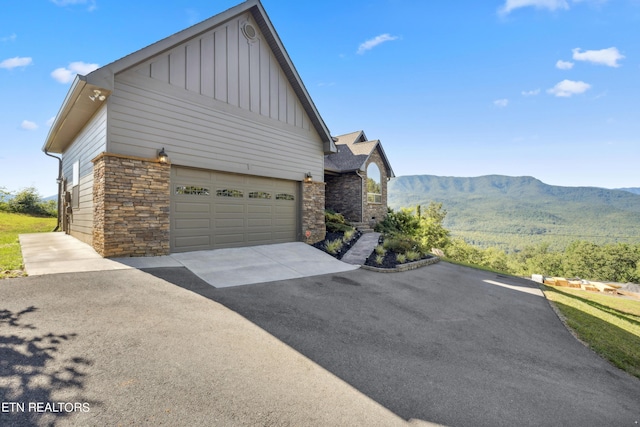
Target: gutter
x=59 y=181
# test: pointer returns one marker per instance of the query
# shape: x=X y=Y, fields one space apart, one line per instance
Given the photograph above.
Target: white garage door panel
x=211 y=210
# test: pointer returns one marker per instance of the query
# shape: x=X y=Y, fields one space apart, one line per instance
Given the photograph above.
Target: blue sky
x=547 y=88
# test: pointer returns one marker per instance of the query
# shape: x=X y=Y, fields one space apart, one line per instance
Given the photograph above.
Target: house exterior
x=356 y=176
x=244 y=141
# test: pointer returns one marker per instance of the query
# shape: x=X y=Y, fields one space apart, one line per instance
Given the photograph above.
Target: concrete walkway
x=359 y=253
x=51 y=253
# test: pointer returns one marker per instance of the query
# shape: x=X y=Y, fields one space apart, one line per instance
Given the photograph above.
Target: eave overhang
x=80 y=104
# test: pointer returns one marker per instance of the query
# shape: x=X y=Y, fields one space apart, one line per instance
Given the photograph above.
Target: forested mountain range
x=514 y=212
x=634 y=190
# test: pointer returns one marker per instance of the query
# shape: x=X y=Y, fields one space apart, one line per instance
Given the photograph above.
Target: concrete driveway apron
x=50 y=253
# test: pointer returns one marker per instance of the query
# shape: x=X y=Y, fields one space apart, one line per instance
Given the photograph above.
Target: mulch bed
x=337 y=235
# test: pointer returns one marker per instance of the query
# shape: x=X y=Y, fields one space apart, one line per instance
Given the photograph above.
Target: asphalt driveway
x=121 y=348
x=448 y=344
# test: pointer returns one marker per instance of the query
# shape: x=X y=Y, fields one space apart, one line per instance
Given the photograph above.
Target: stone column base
x=313 y=226
x=130 y=206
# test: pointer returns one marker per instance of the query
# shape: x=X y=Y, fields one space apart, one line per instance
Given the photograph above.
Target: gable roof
x=78 y=108
x=353 y=153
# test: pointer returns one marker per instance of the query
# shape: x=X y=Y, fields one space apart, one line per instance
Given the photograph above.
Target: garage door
x=211 y=210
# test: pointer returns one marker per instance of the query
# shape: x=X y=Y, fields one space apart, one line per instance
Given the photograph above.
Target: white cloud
x=608 y=57
x=10 y=38
x=531 y=92
x=16 y=62
x=64 y=3
x=564 y=65
x=551 y=5
x=501 y=103
x=567 y=88
x=371 y=43
x=511 y=5
x=66 y=75
x=28 y=125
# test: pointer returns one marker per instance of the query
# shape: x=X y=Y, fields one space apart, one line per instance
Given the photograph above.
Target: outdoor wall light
x=162 y=156
x=308 y=177
x=97 y=96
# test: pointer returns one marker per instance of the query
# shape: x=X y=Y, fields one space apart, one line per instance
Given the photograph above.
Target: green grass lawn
x=609 y=325
x=11 y=225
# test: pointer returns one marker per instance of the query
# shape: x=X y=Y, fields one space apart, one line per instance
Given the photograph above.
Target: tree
x=27 y=201
x=431 y=230
x=5 y=196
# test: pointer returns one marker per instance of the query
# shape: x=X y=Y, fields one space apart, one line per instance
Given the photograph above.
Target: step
x=362 y=226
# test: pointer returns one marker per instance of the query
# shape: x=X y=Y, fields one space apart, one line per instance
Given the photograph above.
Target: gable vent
x=249 y=31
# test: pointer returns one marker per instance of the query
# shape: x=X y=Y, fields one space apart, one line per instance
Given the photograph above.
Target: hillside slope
x=512 y=212
x=634 y=190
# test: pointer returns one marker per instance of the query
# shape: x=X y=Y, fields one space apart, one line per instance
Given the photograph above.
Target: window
x=259 y=195
x=192 y=190
x=284 y=196
x=75 y=185
x=229 y=193
x=374 y=186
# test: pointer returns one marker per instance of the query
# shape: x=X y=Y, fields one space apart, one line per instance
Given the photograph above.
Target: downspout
x=59 y=181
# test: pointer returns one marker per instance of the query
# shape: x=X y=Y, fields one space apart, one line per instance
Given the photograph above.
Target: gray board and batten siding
x=90 y=142
x=219 y=102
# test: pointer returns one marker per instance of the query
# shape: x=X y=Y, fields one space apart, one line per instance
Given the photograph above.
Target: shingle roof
x=353 y=152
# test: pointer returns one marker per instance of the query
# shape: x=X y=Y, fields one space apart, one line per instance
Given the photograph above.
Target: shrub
x=401 y=222
x=401 y=258
x=335 y=222
x=333 y=246
x=380 y=250
x=413 y=255
x=336 y=227
x=348 y=235
x=401 y=243
x=379 y=259
x=331 y=216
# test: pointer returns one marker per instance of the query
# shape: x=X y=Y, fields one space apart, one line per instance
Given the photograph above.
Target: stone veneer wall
x=131 y=206
x=344 y=195
x=313 y=227
x=375 y=212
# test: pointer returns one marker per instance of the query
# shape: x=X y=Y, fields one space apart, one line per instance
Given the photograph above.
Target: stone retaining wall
x=403 y=267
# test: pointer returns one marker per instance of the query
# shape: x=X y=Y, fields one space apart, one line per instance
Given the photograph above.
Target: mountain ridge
x=513 y=212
